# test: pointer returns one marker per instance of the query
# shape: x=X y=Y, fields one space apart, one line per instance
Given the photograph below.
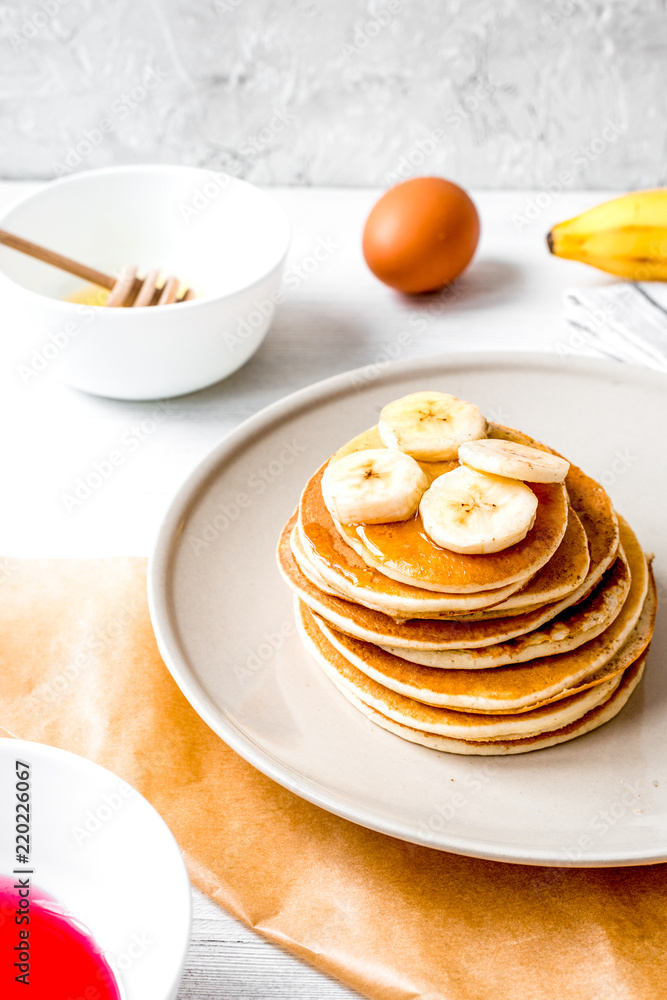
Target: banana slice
x=515 y=461
x=430 y=426
x=373 y=486
x=472 y=512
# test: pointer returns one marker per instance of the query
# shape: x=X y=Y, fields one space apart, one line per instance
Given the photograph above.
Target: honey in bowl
x=89 y=295
x=95 y=295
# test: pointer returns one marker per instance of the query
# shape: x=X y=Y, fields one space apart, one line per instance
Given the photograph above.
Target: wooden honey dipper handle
x=127 y=289
x=56 y=260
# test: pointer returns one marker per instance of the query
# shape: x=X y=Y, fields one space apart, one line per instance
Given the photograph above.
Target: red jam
x=44 y=948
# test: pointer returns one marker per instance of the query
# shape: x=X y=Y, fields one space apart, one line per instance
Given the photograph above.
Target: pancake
x=370 y=588
x=600 y=522
x=403 y=550
x=572 y=628
x=494 y=653
x=597 y=515
x=364 y=585
x=590 y=501
x=566 y=570
x=333 y=541
x=345 y=574
x=512 y=689
x=444 y=721
x=593 y=719
x=376 y=627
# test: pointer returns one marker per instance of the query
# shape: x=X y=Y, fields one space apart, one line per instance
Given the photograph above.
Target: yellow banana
x=626 y=236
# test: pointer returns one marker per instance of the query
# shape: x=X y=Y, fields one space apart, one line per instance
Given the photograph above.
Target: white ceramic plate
x=223 y=619
x=105 y=854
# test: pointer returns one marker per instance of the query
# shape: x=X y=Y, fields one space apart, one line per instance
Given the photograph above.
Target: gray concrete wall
x=492 y=93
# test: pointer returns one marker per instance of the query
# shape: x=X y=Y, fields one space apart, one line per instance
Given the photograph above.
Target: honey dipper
x=125 y=290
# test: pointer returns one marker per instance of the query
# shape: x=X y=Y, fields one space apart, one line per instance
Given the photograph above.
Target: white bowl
x=224 y=237
x=105 y=854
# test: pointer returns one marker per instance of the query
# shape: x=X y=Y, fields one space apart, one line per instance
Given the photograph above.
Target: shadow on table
x=488 y=282
x=303 y=345
x=307 y=343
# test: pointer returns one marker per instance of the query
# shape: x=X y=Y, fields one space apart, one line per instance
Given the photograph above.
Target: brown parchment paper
x=79 y=669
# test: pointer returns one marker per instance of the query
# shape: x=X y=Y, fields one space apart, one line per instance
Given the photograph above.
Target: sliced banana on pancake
x=375 y=486
x=430 y=426
x=404 y=552
x=471 y=512
x=513 y=460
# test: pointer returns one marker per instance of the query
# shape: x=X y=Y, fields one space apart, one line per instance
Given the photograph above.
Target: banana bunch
x=626 y=236
x=483 y=505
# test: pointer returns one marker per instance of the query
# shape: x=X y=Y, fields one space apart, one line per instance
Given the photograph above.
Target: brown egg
x=421 y=234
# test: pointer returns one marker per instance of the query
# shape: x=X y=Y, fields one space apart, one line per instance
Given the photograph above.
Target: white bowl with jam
x=221 y=236
x=95 y=899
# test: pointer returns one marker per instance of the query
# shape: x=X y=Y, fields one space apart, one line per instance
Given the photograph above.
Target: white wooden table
x=336 y=316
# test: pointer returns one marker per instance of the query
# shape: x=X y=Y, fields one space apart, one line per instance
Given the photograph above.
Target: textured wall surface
x=493 y=93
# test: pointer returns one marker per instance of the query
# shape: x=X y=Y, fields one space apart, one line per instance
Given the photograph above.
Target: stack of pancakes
x=476 y=654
